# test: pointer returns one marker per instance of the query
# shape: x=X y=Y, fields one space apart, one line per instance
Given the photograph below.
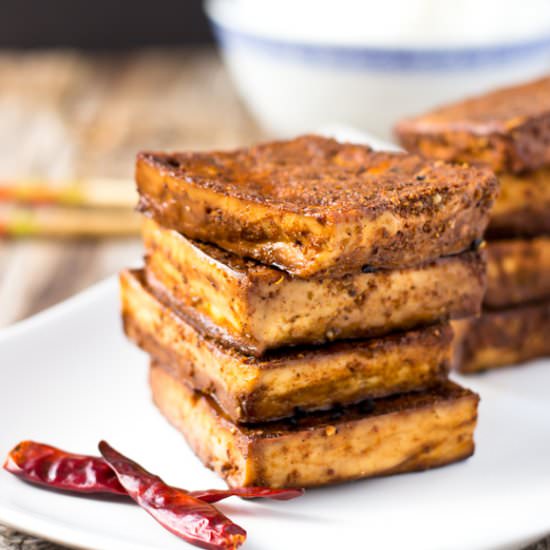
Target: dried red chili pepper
x=52 y=467
x=187 y=517
x=215 y=495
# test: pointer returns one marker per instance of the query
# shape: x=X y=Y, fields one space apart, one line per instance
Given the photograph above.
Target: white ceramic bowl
x=301 y=65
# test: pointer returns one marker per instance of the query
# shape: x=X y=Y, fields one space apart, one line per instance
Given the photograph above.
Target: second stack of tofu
x=332 y=365
x=507 y=130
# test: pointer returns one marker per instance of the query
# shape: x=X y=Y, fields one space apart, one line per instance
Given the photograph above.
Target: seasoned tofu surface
x=256 y=308
x=507 y=129
x=249 y=389
x=502 y=338
x=518 y=272
x=312 y=205
x=522 y=207
x=393 y=435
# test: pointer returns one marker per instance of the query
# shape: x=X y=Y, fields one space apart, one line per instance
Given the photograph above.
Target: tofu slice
x=506 y=129
x=518 y=272
x=250 y=389
x=312 y=205
x=255 y=308
x=387 y=436
x=523 y=205
x=502 y=338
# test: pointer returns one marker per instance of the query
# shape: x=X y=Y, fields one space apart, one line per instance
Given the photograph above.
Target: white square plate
x=68 y=377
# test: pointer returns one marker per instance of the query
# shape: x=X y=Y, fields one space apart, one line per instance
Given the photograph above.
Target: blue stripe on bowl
x=402 y=59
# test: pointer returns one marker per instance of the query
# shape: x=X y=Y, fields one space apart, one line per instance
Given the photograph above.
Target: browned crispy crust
x=313 y=205
x=393 y=435
x=507 y=129
x=518 y=272
x=251 y=389
x=502 y=338
x=255 y=308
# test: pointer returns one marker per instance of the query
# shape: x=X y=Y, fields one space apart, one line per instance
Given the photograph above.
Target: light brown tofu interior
x=502 y=338
x=518 y=272
x=523 y=204
x=393 y=435
x=251 y=389
x=257 y=308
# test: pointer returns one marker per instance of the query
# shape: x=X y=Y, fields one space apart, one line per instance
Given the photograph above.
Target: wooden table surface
x=65 y=115
x=69 y=115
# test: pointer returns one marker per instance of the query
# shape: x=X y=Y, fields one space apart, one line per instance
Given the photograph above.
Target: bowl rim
x=379 y=59
x=222 y=26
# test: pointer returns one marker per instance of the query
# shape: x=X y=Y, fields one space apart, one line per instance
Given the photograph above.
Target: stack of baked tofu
x=508 y=131
x=295 y=304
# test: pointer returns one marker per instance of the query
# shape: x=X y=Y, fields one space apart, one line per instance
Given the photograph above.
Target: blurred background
x=85 y=85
